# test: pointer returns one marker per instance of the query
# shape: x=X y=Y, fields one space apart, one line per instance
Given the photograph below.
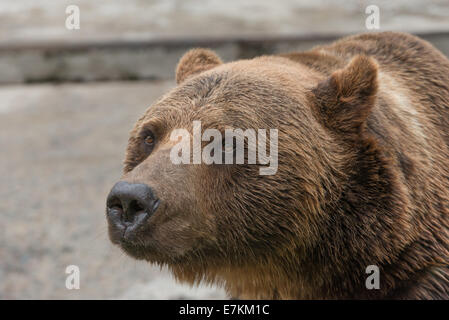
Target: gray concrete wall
x=132 y=40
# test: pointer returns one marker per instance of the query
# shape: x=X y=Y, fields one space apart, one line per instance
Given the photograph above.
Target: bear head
x=228 y=222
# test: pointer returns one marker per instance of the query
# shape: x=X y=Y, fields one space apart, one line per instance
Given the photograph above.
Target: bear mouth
x=136 y=251
x=141 y=251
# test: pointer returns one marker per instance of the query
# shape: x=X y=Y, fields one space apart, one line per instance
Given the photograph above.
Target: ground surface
x=62 y=148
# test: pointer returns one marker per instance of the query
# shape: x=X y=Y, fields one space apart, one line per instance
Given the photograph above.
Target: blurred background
x=68 y=98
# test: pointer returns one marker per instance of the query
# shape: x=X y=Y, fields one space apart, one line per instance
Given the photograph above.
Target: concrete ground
x=62 y=148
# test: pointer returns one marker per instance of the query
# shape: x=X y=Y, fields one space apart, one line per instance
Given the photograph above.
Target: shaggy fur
x=363 y=176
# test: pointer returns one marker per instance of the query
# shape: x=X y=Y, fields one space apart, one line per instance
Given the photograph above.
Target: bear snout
x=128 y=207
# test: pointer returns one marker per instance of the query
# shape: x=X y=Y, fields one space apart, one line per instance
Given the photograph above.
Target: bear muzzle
x=128 y=208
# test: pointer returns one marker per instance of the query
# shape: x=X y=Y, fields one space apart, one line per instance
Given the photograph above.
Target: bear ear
x=195 y=61
x=345 y=99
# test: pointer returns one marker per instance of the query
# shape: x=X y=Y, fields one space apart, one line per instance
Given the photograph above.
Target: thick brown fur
x=363 y=175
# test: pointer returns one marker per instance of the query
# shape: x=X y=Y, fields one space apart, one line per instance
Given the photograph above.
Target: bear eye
x=148 y=141
x=228 y=146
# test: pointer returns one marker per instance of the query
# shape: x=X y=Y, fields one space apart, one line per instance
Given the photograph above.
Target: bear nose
x=129 y=205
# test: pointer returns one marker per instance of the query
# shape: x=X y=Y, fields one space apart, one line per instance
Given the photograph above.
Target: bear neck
x=363 y=223
x=369 y=225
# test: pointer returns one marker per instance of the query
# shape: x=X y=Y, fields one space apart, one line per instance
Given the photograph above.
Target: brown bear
x=362 y=180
